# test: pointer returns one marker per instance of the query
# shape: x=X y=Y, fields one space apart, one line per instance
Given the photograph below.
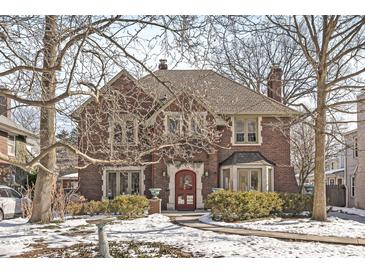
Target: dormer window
x=245 y=130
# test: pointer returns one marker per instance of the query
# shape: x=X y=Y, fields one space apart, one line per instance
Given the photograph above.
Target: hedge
x=126 y=206
x=232 y=206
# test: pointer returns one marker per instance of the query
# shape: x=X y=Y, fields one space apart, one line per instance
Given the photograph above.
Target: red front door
x=185 y=190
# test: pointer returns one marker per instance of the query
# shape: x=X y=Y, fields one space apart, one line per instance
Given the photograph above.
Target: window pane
x=135 y=183
x=111 y=187
x=239 y=126
x=251 y=126
x=123 y=182
x=226 y=179
x=173 y=125
x=130 y=132
x=243 y=180
x=118 y=134
x=255 y=180
x=186 y=182
x=240 y=137
x=270 y=180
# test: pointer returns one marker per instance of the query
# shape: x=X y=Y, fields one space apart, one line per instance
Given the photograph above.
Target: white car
x=10 y=203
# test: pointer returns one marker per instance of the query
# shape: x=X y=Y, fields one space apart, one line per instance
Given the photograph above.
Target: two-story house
x=16 y=142
x=255 y=154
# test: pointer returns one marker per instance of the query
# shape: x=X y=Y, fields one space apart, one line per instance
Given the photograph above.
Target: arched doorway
x=185 y=190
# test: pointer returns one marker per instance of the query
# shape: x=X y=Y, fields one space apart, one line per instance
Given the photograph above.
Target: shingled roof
x=244 y=158
x=222 y=94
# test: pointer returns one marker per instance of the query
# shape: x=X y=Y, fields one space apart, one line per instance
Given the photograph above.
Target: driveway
x=346 y=216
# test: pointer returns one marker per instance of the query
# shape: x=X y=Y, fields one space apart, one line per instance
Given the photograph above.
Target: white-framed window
x=352 y=186
x=245 y=130
x=123 y=182
x=11 y=145
x=227 y=182
x=249 y=179
x=125 y=132
x=173 y=123
x=356 y=150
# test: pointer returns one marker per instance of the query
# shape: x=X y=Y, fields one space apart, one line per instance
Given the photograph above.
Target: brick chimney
x=162 y=65
x=5 y=106
x=274 y=83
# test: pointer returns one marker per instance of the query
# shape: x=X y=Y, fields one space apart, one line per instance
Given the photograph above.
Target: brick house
x=256 y=154
x=15 y=140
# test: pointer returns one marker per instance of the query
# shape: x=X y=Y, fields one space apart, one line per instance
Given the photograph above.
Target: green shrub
x=127 y=206
x=234 y=206
x=295 y=203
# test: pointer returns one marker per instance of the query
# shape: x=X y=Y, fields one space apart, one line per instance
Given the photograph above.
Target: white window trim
x=11 y=153
x=107 y=170
x=352 y=186
x=259 y=130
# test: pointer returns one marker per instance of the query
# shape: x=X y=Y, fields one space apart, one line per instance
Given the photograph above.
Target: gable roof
x=222 y=94
x=244 y=158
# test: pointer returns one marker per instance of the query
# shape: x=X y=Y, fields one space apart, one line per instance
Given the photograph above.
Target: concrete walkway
x=193 y=222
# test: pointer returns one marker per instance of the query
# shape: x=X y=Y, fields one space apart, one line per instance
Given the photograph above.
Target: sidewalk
x=193 y=222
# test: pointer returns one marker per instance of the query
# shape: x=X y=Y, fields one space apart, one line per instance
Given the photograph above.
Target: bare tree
x=245 y=52
x=54 y=62
x=333 y=46
x=302 y=138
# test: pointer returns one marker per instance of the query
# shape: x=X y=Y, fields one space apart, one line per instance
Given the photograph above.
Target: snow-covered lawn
x=17 y=237
x=333 y=227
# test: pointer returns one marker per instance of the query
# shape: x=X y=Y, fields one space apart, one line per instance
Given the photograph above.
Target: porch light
x=164 y=173
x=206 y=173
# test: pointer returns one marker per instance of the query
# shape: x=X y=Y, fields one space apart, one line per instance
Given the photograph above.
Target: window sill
x=246 y=144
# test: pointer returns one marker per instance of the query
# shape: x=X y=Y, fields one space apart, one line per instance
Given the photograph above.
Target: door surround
x=172 y=169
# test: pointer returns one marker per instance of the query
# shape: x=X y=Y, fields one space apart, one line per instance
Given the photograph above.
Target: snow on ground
x=333 y=227
x=16 y=235
x=354 y=211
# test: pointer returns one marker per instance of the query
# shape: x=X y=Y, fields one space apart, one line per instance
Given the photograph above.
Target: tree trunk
x=319 y=203
x=46 y=179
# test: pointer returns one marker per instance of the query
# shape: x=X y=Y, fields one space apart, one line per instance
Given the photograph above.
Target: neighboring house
x=69 y=182
x=351 y=166
x=334 y=171
x=258 y=157
x=15 y=143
